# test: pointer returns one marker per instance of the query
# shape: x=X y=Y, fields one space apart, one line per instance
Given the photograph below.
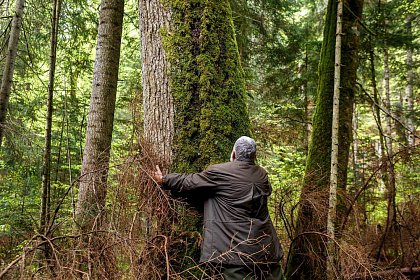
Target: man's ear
x=233 y=156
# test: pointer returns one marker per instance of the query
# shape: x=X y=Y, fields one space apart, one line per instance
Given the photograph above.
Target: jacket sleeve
x=189 y=182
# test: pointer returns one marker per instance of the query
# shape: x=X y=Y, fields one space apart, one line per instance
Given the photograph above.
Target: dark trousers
x=242 y=272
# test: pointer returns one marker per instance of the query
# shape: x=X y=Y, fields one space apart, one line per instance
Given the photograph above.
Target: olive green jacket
x=237 y=227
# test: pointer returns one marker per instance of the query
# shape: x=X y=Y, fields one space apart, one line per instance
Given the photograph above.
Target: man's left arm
x=188 y=182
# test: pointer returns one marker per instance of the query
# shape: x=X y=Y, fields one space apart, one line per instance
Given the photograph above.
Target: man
x=239 y=237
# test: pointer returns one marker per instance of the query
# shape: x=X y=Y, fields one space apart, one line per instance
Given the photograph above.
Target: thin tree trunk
x=356 y=175
x=46 y=173
x=377 y=116
x=157 y=98
x=410 y=83
x=60 y=143
x=308 y=126
x=331 y=219
x=391 y=222
x=375 y=106
x=7 y=79
x=68 y=155
x=306 y=102
x=94 y=174
x=391 y=188
x=388 y=139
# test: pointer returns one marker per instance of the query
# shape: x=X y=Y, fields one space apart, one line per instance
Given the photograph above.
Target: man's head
x=244 y=149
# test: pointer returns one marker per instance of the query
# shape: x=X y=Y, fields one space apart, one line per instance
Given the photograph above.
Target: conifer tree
x=308 y=252
x=92 y=187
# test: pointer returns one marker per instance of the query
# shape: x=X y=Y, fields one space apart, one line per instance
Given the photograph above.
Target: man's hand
x=157 y=175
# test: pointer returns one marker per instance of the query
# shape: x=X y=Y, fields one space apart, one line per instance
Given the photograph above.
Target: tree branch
x=385 y=111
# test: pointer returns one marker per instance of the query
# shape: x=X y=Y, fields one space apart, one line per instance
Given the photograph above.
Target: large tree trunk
x=46 y=184
x=92 y=187
x=7 y=79
x=157 y=98
x=199 y=56
x=193 y=88
x=308 y=251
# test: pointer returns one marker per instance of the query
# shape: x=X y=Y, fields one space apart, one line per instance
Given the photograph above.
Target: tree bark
x=308 y=253
x=94 y=174
x=157 y=98
x=7 y=79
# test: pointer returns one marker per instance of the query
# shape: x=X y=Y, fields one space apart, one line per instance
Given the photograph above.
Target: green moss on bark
x=207 y=83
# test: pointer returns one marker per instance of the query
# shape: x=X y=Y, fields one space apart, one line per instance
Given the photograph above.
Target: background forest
x=95 y=93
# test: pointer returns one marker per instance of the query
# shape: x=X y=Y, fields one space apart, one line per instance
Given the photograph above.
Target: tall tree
x=189 y=49
x=92 y=184
x=308 y=251
x=7 y=78
x=46 y=184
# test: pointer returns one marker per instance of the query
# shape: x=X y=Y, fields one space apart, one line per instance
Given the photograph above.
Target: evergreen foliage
x=274 y=86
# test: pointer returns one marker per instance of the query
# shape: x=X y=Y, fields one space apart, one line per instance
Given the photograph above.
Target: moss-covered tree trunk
x=199 y=58
x=308 y=252
x=207 y=83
